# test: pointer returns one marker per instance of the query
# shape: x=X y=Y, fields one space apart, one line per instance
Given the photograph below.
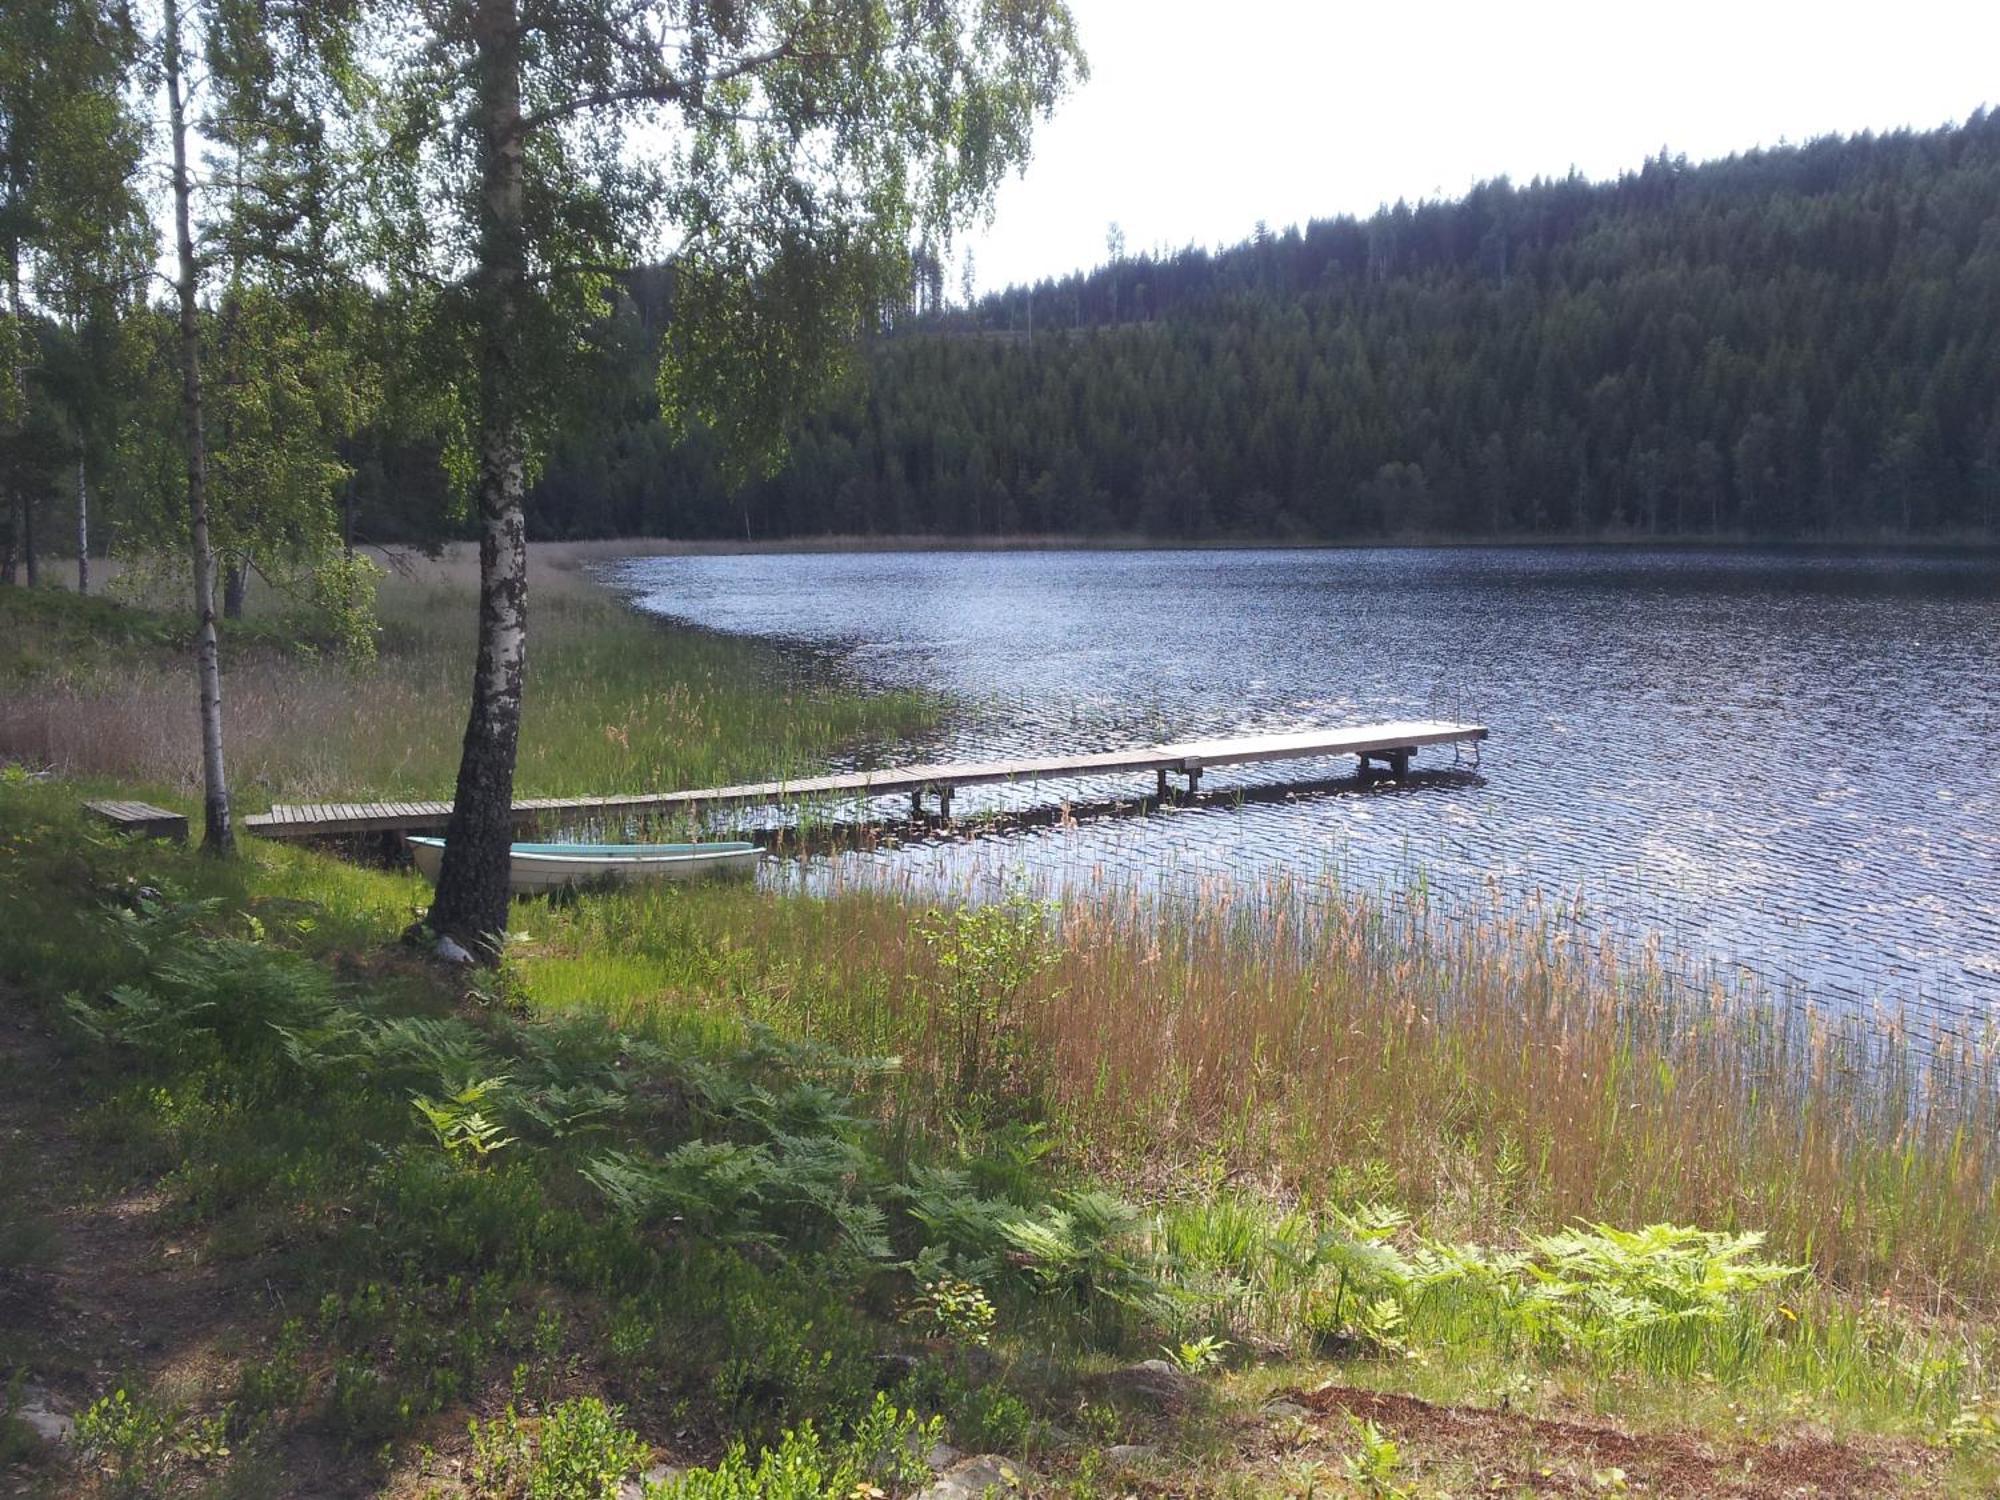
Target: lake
x=1780 y=767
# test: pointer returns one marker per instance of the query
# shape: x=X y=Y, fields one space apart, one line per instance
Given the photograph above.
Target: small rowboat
x=547 y=867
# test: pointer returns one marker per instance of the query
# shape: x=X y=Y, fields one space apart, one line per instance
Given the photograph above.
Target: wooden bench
x=141 y=818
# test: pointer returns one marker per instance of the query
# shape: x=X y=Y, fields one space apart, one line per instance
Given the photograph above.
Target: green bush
x=987 y=958
x=579 y=1451
x=886 y=1448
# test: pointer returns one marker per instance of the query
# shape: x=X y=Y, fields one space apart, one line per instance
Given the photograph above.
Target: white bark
x=82 y=530
x=472 y=889
x=218 y=836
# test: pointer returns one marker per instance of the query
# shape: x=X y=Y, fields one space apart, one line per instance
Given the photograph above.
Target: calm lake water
x=1786 y=767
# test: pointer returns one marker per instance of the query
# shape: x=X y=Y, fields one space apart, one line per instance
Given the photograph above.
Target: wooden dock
x=1392 y=745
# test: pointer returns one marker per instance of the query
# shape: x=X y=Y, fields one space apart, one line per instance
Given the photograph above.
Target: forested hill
x=1794 y=342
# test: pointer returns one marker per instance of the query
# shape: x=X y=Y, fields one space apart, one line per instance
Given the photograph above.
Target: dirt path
x=99 y=1288
x=1512 y=1454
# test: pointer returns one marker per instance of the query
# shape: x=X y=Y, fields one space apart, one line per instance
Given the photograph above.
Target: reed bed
x=1495 y=1076
x=614 y=702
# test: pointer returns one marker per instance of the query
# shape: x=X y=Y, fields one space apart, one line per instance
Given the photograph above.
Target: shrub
x=579 y=1452
x=887 y=1448
x=986 y=957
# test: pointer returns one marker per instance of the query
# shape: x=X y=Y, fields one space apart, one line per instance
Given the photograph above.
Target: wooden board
x=141 y=818
x=321 y=820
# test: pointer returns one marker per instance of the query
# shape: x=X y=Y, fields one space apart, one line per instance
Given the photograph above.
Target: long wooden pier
x=1391 y=744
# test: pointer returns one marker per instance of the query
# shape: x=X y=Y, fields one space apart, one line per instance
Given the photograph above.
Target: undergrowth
x=563 y=1242
x=616 y=702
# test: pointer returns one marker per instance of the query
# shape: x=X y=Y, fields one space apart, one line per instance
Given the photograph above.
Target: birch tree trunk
x=471 y=903
x=218 y=837
x=82 y=530
x=24 y=505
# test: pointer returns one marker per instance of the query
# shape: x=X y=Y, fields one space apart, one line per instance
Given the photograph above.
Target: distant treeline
x=1793 y=342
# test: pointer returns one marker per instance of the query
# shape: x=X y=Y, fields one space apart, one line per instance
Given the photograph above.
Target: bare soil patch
x=107 y=1291
x=1518 y=1454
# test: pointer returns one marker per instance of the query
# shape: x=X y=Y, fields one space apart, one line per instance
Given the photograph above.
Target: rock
x=642 y=1486
x=941 y=1457
x=451 y=952
x=974 y=1479
x=42 y=1419
x=979 y=1362
x=1132 y=1453
x=1151 y=1382
x=1282 y=1410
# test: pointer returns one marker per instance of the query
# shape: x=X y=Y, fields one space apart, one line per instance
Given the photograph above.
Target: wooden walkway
x=1391 y=744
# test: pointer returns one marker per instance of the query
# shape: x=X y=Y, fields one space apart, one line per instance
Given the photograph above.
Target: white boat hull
x=530 y=871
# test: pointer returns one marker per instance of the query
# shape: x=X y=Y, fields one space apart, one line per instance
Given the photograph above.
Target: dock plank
x=1192 y=757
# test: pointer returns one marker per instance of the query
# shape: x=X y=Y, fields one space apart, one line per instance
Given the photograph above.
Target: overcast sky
x=1203 y=116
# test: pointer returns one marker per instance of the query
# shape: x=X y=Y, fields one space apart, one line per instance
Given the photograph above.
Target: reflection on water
x=1785 y=763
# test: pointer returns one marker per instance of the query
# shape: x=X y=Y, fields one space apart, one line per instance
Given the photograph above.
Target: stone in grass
x=1151 y=1382
x=975 y=1479
x=644 y=1484
x=1282 y=1410
x=42 y=1419
x=1132 y=1453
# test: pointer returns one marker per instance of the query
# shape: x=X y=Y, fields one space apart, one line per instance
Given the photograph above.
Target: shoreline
x=582 y=550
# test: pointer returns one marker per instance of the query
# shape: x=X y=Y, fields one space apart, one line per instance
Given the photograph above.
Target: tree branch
x=662 y=89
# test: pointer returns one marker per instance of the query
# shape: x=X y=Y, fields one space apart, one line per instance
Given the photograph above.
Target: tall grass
x=1497 y=1074
x=614 y=702
x=1496 y=1077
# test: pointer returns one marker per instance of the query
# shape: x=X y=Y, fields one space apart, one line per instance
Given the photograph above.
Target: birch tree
x=218 y=832
x=294 y=378
x=250 y=173
x=72 y=233
x=785 y=153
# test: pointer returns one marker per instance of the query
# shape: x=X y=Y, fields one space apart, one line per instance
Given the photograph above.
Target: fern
x=460 y=1123
x=1075 y=1249
x=430 y=1047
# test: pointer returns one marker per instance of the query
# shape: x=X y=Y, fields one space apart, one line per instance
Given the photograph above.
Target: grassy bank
x=1492 y=1077
x=435 y=1238
x=615 y=702
x=704 y=1166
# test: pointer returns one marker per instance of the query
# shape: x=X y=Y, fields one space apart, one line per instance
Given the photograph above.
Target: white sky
x=1203 y=116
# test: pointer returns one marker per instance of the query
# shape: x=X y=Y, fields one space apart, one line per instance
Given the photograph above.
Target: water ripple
x=1778 y=763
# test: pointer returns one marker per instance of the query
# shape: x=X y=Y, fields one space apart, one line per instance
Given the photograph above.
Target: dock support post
x=1160 y=784
x=917 y=801
x=1395 y=763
